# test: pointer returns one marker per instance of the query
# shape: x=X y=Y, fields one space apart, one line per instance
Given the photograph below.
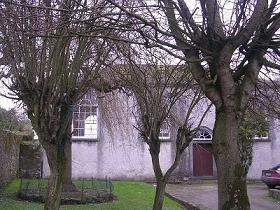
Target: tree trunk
x=56 y=160
x=68 y=185
x=161 y=181
x=181 y=143
x=232 y=188
x=159 y=197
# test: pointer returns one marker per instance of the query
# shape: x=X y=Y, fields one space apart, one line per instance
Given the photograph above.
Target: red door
x=202 y=160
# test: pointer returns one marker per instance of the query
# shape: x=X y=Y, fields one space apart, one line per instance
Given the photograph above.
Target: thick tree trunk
x=232 y=188
x=56 y=160
x=58 y=151
x=159 y=197
x=68 y=185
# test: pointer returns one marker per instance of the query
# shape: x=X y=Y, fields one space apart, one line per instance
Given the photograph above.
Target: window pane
x=85 y=117
x=75 y=132
x=164 y=131
x=203 y=133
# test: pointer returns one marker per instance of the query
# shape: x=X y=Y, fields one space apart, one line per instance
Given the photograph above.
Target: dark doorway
x=202 y=160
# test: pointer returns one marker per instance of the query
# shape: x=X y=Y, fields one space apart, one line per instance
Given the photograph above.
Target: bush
x=11 y=120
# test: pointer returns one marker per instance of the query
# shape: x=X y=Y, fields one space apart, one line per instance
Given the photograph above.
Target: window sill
x=165 y=139
x=77 y=139
x=261 y=139
x=202 y=140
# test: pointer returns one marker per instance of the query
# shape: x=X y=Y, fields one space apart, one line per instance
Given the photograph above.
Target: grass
x=131 y=196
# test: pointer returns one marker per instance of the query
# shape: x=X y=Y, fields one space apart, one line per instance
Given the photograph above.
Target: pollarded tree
x=225 y=45
x=157 y=85
x=50 y=65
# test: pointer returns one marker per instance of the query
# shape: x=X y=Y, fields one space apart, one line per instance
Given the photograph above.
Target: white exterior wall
x=120 y=154
x=118 y=151
x=261 y=159
x=275 y=143
x=46 y=168
x=266 y=154
x=84 y=159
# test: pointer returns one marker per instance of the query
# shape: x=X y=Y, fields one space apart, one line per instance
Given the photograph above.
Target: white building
x=106 y=143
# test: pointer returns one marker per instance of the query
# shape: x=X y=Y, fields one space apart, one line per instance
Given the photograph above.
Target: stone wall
x=30 y=158
x=9 y=156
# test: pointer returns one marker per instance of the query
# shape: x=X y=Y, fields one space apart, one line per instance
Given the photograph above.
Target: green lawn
x=131 y=196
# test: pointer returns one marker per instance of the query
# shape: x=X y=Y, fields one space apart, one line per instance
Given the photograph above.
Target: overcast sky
x=5 y=102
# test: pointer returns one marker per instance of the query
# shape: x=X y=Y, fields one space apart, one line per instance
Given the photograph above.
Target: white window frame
x=92 y=113
x=204 y=129
x=265 y=138
x=90 y=128
x=165 y=129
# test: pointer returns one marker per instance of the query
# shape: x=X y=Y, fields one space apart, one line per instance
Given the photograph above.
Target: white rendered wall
x=266 y=154
x=275 y=143
x=118 y=151
x=121 y=154
x=46 y=168
x=84 y=160
x=261 y=159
